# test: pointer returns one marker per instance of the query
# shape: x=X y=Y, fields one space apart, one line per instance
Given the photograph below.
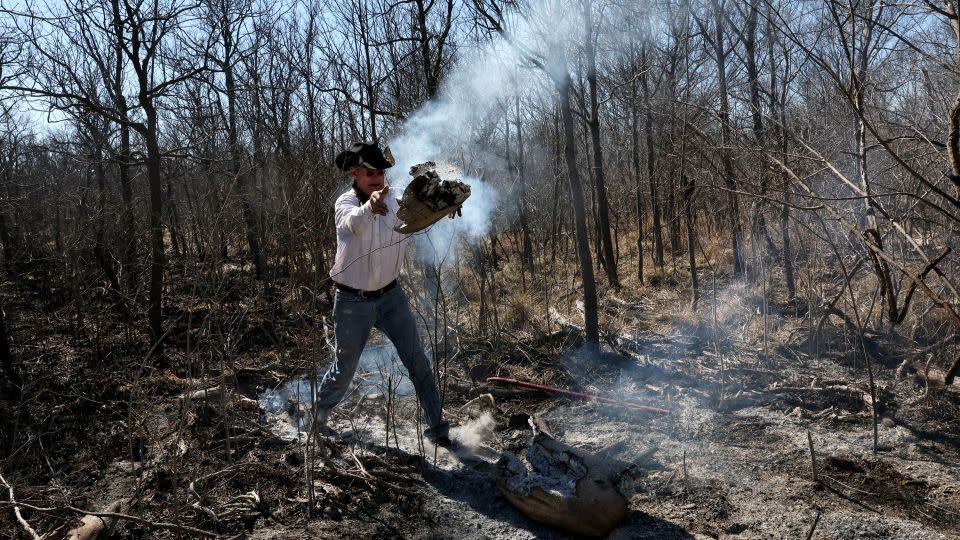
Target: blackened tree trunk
x=591 y=321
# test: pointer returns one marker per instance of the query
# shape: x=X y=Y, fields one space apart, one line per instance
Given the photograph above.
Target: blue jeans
x=353 y=317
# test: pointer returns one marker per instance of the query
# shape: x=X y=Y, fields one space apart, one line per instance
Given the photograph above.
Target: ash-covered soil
x=731 y=460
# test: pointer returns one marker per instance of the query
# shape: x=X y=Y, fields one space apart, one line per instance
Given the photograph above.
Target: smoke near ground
x=476 y=431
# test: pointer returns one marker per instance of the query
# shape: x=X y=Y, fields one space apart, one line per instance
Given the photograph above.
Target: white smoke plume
x=458 y=125
x=474 y=432
x=446 y=129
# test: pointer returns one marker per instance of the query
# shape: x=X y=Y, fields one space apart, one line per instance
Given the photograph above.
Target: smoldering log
x=436 y=190
x=563 y=486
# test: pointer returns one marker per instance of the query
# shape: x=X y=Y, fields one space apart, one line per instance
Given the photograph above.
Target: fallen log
x=579 y=395
x=563 y=486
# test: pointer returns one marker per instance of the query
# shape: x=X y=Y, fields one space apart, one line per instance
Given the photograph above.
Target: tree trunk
x=726 y=159
x=362 y=18
x=429 y=77
x=12 y=388
x=651 y=164
x=241 y=176
x=157 y=259
x=527 y=254
x=635 y=154
x=670 y=214
x=603 y=209
x=128 y=262
x=776 y=108
x=953 y=122
x=100 y=251
x=591 y=322
x=760 y=229
x=689 y=185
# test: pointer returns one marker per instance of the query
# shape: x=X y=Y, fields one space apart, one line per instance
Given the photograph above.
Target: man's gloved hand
x=378 y=201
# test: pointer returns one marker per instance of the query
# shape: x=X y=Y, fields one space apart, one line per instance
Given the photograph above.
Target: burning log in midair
x=436 y=191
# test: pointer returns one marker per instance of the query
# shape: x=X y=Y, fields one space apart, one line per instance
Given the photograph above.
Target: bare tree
x=230 y=20
x=714 y=32
x=603 y=210
x=89 y=38
x=556 y=67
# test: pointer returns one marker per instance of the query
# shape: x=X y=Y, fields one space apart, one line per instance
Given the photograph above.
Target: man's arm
x=353 y=218
x=356 y=218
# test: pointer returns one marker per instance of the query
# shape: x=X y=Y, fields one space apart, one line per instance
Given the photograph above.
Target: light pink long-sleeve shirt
x=369 y=252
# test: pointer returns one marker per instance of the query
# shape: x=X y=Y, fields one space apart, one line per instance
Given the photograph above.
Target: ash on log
x=436 y=191
x=563 y=486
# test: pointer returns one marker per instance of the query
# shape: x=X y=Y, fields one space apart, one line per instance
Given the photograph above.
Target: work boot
x=439 y=435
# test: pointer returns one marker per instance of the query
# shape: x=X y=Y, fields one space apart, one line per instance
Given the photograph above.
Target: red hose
x=581 y=395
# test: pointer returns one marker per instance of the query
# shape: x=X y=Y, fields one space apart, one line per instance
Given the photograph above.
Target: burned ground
x=732 y=459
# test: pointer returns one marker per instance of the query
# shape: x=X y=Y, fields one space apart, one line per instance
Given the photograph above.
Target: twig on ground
x=813 y=458
x=116 y=515
x=16 y=510
x=851 y=499
x=851 y=488
x=813 y=527
x=360 y=465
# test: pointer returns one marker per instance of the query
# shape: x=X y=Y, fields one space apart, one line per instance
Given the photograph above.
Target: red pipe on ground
x=581 y=395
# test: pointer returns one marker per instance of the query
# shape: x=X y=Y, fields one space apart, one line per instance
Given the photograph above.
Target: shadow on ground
x=472 y=487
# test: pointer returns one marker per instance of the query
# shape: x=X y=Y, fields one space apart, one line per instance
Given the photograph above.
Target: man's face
x=368 y=180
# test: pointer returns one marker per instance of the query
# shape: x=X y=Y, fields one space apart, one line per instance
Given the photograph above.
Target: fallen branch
x=16 y=510
x=813 y=527
x=580 y=395
x=813 y=459
x=116 y=515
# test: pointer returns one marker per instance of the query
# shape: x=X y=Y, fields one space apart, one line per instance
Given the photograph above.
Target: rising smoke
x=448 y=129
x=458 y=126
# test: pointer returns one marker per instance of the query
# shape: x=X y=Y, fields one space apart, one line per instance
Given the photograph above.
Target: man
x=367 y=265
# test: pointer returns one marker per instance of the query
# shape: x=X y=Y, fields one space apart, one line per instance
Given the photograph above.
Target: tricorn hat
x=364 y=154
